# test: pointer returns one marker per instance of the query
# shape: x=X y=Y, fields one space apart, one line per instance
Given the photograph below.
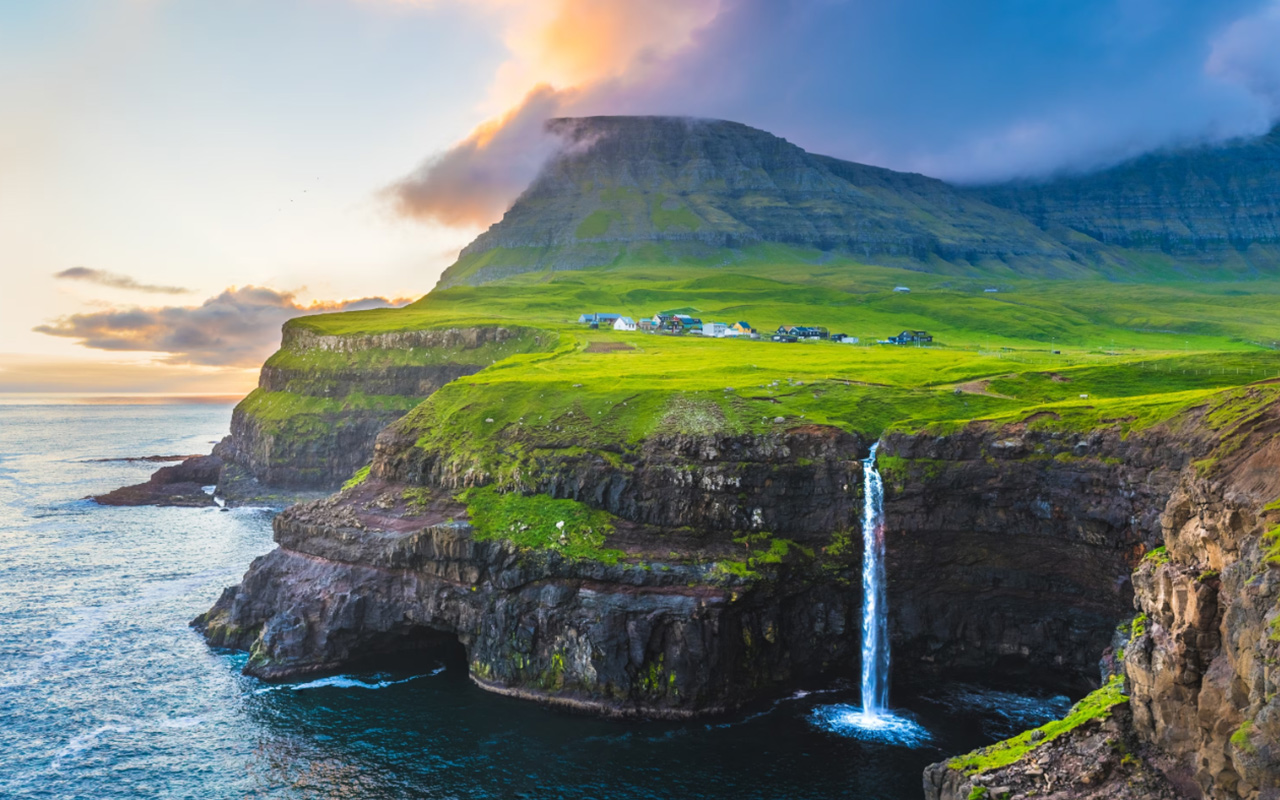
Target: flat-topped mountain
x=670 y=189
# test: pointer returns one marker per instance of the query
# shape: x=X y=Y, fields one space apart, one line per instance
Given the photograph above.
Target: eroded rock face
x=1203 y=675
x=320 y=450
x=663 y=632
x=803 y=484
x=1200 y=658
x=361 y=574
x=1009 y=549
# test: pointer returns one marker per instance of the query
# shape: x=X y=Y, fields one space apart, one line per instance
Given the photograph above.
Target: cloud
x=1247 y=54
x=967 y=93
x=239 y=327
x=475 y=181
x=115 y=281
x=558 y=47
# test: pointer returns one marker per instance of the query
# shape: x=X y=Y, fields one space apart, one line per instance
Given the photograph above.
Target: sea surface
x=105 y=692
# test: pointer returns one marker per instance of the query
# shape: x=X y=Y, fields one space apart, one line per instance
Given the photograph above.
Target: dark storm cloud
x=239 y=327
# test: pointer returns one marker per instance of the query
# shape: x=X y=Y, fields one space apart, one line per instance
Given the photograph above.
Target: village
x=677 y=323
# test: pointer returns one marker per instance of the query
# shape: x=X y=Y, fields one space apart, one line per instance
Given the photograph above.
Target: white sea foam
x=348 y=682
x=87 y=740
x=884 y=727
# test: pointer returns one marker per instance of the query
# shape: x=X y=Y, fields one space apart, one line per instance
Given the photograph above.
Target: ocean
x=105 y=692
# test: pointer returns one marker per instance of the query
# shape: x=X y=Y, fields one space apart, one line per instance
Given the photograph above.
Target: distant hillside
x=675 y=190
x=1205 y=205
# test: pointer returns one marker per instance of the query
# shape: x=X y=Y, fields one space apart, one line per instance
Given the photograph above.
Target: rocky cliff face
x=1200 y=718
x=1010 y=547
x=323 y=399
x=1202 y=665
x=1025 y=536
x=669 y=629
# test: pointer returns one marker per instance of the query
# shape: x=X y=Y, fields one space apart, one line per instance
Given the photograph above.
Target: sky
x=178 y=177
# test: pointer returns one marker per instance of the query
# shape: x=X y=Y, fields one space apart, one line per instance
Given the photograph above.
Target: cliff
x=699 y=571
x=1194 y=711
x=323 y=398
x=647 y=612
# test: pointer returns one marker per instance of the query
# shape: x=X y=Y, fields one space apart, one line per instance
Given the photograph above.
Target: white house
x=624 y=324
x=903 y=289
x=716 y=329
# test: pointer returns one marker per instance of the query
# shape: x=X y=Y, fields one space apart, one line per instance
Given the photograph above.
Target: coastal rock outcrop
x=179 y=485
x=1200 y=718
x=379 y=570
x=1026 y=537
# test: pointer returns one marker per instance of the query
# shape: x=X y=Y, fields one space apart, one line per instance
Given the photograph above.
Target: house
x=784 y=337
x=742 y=328
x=683 y=323
x=645 y=326
x=903 y=289
x=911 y=337
x=805 y=332
x=624 y=324
x=598 y=319
x=716 y=329
x=665 y=322
x=844 y=338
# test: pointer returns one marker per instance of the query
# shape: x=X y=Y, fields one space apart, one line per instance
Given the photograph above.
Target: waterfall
x=875 y=626
x=873 y=721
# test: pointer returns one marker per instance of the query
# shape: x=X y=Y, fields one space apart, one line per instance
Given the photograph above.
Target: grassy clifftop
x=1129 y=355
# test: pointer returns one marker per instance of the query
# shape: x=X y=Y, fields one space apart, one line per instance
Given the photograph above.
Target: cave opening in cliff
x=416 y=649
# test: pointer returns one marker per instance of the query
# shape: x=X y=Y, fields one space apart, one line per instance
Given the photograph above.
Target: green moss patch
x=360 y=477
x=1096 y=705
x=541 y=523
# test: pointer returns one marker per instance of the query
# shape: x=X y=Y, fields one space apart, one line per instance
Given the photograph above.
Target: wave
x=348 y=682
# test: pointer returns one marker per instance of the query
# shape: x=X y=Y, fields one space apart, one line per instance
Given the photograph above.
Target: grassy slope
x=1141 y=352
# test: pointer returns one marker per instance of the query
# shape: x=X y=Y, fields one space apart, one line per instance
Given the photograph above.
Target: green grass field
x=1129 y=354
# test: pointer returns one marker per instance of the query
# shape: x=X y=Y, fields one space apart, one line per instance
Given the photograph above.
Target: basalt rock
x=1009 y=548
x=363 y=573
x=180 y=485
x=1203 y=665
x=1097 y=761
x=1202 y=719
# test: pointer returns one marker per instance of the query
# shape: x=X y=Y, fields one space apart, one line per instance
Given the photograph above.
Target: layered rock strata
x=663 y=632
x=360 y=572
x=1010 y=548
x=322 y=400
x=1200 y=719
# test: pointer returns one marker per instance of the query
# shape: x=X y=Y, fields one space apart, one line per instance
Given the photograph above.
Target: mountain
x=670 y=189
x=1203 y=204
x=675 y=188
